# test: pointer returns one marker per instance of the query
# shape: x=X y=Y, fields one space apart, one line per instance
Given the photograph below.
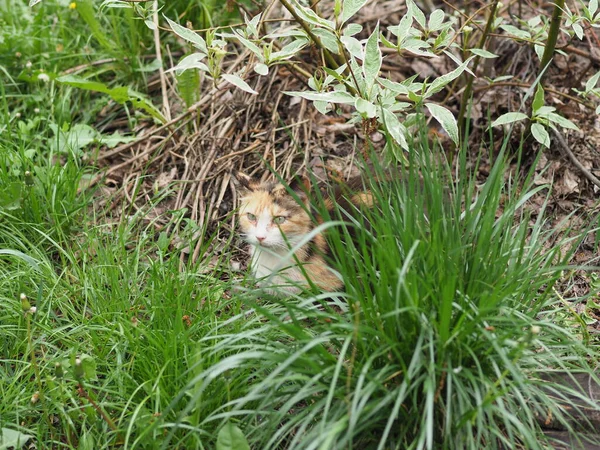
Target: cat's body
x=285 y=252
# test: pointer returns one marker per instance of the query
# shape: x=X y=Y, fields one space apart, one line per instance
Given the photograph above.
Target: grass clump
x=446 y=329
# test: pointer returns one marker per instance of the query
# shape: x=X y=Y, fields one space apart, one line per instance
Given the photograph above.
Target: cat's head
x=269 y=214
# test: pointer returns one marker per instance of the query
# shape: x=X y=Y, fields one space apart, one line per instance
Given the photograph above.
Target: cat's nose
x=260 y=238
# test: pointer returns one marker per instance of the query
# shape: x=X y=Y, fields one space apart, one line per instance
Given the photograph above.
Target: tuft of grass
x=442 y=338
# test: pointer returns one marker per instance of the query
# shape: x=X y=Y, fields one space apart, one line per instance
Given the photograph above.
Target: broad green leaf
x=439 y=83
x=351 y=7
x=540 y=134
x=352 y=29
x=250 y=45
x=352 y=45
x=188 y=86
x=261 y=69
x=365 y=108
x=331 y=97
x=562 y=121
x=515 y=31
x=402 y=30
x=11 y=195
x=394 y=127
x=252 y=25
x=88 y=364
x=189 y=35
x=77 y=137
x=230 y=437
x=436 y=19
x=328 y=39
x=312 y=17
x=119 y=94
x=593 y=7
x=238 y=82
x=578 y=30
x=446 y=120
x=483 y=53
x=592 y=82
x=509 y=118
x=414 y=10
x=190 y=62
x=394 y=86
x=538 y=99
x=539 y=51
x=289 y=50
x=12 y=439
x=112 y=140
x=372 y=60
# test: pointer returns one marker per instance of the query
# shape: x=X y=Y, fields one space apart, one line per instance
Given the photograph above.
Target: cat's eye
x=279 y=220
x=251 y=217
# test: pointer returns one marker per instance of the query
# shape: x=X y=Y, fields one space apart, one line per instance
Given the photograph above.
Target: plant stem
x=83 y=393
x=330 y=59
x=552 y=35
x=469 y=88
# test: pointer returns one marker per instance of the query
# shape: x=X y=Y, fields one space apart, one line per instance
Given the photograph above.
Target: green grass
x=434 y=344
x=449 y=323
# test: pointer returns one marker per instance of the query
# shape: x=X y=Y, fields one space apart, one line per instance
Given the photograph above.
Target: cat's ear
x=301 y=185
x=242 y=181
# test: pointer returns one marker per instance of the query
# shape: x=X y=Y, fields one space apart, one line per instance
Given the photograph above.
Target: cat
x=277 y=222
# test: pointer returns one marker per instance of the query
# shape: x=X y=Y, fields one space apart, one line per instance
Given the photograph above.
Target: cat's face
x=269 y=215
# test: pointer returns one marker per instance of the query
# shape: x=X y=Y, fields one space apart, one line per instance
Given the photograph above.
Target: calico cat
x=274 y=222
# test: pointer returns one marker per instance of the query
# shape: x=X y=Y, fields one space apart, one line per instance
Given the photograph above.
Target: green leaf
x=195 y=39
x=289 y=50
x=250 y=45
x=509 y=118
x=33 y=263
x=312 y=17
x=12 y=439
x=414 y=10
x=516 y=31
x=190 y=62
x=230 y=437
x=578 y=30
x=328 y=39
x=483 y=53
x=112 y=140
x=540 y=134
x=261 y=69
x=591 y=83
x=11 y=195
x=352 y=29
x=439 y=83
x=538 y=99
x=562 y=121
x=77 y=137
x=351 y=7
x=86 y=11
x=238 y=82
x=365 y=108
x=436 y=19
x=352 y=45
x=188 y=86
x=120 y=94
x=394 y=127
x=373 y=59
x=446 y=120
x=331 y=97
x=88 y=364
